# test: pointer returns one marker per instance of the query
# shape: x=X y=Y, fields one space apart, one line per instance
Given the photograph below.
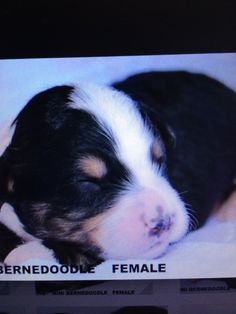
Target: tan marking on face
x=227 y=211
x=65 y=230
x=93 y=166
x=40 y=211
x=92 y=227
x=157 y=149
x=10 y=185
x=64 y=226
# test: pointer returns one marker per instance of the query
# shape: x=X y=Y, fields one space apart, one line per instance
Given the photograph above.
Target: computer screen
x=117 y=157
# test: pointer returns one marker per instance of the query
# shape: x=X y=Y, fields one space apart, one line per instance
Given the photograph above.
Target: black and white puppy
x=99 y=173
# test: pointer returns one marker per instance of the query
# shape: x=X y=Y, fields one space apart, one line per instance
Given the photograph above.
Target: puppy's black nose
x=162 y=224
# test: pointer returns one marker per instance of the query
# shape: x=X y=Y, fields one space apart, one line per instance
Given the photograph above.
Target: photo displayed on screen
x=118 y=288
x=118 y=167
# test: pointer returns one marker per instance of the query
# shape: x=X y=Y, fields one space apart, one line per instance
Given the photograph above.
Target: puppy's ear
x=167 y=134
x=161 y=129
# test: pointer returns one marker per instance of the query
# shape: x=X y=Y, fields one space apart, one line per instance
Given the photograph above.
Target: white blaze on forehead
x=6 y=134
x=118 y=113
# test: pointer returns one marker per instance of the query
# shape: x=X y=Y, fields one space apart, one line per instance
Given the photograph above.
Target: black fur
x=9 y=241
x=42 y=161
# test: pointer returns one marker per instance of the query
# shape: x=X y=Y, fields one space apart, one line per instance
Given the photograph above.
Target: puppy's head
x=86 y=168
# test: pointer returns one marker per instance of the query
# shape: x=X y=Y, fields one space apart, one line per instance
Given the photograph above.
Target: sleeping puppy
x=96 y=173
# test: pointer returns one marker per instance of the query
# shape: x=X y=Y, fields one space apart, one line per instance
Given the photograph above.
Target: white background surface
x=21 y=79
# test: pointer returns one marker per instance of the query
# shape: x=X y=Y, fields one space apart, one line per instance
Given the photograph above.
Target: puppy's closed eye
x=89 y=186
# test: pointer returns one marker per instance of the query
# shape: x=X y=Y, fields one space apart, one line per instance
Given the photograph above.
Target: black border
x=72 y=28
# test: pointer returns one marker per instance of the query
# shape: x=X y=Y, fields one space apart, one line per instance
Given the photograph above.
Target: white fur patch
x=6 y=134
x=125 y=230
x=30 y=250
x=9 y=218
x=118 y=113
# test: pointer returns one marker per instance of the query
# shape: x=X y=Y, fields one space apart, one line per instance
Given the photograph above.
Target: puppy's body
x=95 y=174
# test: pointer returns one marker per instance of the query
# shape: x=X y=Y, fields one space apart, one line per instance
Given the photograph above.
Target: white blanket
x=209 y=252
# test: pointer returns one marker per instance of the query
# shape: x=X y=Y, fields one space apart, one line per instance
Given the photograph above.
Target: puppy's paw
x=30 y=250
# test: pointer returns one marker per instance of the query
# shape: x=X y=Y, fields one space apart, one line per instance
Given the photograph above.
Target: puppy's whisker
x=193 y=223
x=183 y=192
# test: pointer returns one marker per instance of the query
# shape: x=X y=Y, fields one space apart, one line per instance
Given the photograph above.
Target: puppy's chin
x=142 y=224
